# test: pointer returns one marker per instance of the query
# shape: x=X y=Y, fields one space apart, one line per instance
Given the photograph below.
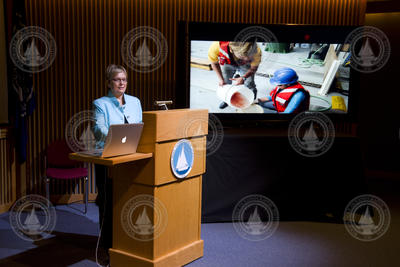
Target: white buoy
x=253 y=108
x=236 y=96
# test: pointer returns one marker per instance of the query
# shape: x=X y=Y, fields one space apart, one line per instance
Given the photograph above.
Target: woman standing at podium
x=115 y=108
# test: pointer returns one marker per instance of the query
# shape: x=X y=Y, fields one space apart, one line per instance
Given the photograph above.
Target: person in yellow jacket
x=227 y=58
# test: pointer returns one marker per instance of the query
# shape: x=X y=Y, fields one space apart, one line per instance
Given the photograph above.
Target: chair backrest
x=57 y=155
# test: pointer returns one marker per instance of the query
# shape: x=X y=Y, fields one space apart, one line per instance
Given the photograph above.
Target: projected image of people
x=256 y=77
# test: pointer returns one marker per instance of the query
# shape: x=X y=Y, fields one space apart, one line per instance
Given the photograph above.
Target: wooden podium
x=146 y=190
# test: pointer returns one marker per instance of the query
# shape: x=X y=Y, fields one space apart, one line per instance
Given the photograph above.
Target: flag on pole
x=21 y=95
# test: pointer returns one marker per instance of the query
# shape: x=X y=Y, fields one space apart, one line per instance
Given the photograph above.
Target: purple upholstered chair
x=59 y=166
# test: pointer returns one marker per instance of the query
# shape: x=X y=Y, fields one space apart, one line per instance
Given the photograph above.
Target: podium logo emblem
x=144 y=217
x=366 y=218
x=32 y=217
x=182 y=158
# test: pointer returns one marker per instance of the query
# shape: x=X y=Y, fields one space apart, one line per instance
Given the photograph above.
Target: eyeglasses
x=120 y=80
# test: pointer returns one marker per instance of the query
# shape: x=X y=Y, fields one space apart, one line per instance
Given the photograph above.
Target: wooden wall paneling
x=89 y=33
x=338 y=14
x=3 y=67
x=8 y=183
x=3 y=164
x=3 y=176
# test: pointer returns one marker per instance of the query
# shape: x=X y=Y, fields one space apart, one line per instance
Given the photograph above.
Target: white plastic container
x=253 y=108
x=236 y=96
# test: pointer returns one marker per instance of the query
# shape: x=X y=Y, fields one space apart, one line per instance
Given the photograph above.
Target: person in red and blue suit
x=289 y=96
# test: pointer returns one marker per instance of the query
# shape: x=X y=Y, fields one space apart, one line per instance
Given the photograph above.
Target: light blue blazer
x=107 y=111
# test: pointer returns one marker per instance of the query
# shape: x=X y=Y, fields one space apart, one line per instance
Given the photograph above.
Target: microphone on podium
x=163 y=104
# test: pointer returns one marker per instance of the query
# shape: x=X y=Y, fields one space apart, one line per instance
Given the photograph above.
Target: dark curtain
x=301 y=187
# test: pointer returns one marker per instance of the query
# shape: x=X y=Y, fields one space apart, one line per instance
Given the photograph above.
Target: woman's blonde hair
x=243 y=49
x=112 y=70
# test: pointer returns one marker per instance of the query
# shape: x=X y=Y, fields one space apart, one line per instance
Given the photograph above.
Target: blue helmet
x=284 y=76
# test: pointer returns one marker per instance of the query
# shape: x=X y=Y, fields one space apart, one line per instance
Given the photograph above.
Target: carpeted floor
x=295 y=243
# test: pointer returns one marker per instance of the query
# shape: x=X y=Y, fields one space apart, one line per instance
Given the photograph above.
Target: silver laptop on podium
x=122 y=139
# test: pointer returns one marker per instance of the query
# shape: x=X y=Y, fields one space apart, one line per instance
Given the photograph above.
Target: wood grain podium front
x=156 y=216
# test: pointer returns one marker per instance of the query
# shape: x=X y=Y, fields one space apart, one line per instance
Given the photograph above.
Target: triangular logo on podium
x=182 y=158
